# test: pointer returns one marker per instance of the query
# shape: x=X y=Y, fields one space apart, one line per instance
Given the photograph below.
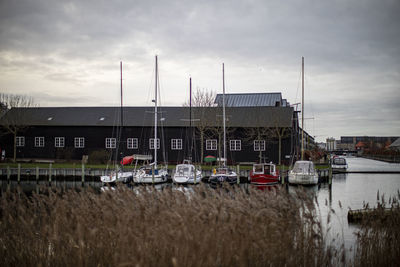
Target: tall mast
x=155 y=116
x=223 y=109
x=190 y=119
x=302 y=108
x=119 y=131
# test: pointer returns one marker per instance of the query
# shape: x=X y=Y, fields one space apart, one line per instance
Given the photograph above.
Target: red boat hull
x=263 y=179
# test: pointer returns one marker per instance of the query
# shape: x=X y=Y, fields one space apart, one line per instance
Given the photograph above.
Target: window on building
x=235 y=145
x=176 y=144
x=39 y=141
x=259 y=145
x=79 y=142
x=211 y=144
x=132 y=143
x=59 y=142
x=152 y=143
x=111 y=143
x=20 y=141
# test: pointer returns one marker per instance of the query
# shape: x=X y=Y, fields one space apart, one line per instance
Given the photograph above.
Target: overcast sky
x=67 y=53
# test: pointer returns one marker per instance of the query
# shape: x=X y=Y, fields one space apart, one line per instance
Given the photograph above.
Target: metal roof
x=144 y=116
x=250 y=100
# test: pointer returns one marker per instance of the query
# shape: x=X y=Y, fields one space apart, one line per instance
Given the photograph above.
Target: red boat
x=264 y=174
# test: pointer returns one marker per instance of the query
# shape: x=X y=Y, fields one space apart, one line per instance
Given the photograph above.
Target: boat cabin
x=339 y=161
x=265 y=168
x=184 y=169
x=304 y=167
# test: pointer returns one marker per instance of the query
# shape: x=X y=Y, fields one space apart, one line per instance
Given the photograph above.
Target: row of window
x=133 y=143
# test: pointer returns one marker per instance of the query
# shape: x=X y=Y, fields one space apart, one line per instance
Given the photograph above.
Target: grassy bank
x=168 y=228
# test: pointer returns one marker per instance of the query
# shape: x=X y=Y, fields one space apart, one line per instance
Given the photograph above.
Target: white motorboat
x=186 y=173
x=303 y=172
x=339 y=164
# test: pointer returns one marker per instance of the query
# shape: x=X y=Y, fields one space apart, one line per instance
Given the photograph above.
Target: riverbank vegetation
x=199 y=227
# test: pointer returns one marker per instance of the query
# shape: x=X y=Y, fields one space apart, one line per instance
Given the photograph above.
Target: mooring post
x=19 y=173
x=50 y=174
x=8 y=174
x=83 y=174
x=238 y=174
x=37 y=174
x=152 y=173
x=195 y=174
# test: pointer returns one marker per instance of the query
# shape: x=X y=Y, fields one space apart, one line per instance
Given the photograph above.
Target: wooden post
x=152 y=173
x=195 y=174
x=83 y=174
x=238 y=174
x=19 y=173
x=50 y=174
x=37 y=174
x=8 y=174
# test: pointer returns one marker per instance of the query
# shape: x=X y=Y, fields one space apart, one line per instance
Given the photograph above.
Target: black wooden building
x=71 y=132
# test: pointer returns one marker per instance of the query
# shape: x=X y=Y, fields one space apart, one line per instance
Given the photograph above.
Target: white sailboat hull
x=303 y=178
x=145 y=177
x=124 y=177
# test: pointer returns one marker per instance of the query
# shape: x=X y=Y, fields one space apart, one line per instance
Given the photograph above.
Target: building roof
x=251 y=100
x=395 y=144
x=144 y=116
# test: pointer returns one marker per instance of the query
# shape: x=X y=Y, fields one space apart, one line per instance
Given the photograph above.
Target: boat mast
x=190 y=119
x=119 y=132
x=223 y=110
x=302 y=108
x=155 y=116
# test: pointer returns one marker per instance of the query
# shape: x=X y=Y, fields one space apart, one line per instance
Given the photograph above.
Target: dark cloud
x=352 y=49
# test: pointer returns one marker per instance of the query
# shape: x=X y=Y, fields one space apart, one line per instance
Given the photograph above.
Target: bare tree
x=11 y=122
x=279 y=132
x=201 y=100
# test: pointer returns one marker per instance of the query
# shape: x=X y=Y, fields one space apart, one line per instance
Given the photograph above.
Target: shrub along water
x=203 y=227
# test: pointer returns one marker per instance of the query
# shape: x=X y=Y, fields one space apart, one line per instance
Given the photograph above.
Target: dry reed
x=224 y=227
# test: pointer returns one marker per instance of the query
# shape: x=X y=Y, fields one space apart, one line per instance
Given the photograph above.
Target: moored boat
x=264 y=174
x=339 y=164
x=304 y=173
x=223 y=174
x=186 y=173
x=153 y=173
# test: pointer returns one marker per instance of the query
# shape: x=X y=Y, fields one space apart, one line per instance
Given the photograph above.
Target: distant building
x=349 y=142
x=330 y=144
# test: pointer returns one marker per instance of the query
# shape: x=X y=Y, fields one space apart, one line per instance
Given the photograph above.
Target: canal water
x=354 y=189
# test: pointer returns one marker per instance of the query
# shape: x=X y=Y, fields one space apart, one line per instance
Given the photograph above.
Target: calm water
x=354 y=189
x=351 y=189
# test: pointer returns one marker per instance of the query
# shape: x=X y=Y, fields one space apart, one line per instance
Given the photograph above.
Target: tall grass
x=225 y=227
x=378 y=240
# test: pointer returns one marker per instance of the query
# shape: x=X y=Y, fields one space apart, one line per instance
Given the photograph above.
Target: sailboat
x=153 y=173
x=223 y=174
x=187 y=173
x=118 y=175
x=303 y=171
